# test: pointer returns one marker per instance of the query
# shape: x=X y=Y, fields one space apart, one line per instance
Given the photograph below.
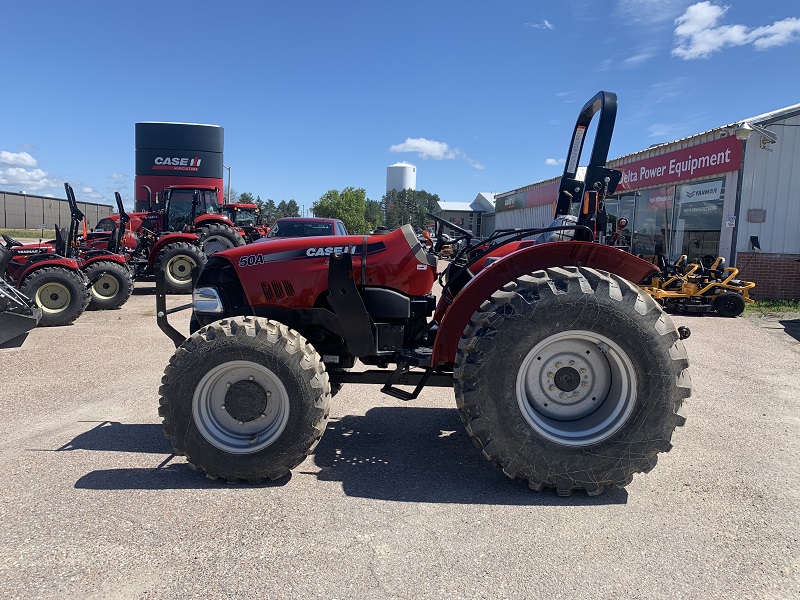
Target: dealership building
x=733 y=192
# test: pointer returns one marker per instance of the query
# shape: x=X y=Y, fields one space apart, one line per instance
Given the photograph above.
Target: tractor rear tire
x=111 y=284
x=61 y=293
x=245 y=399
x=177 y=262
x=216 y=236
x=572 y=379
x=729 y=304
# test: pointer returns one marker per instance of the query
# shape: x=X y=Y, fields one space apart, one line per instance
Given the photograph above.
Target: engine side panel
x=293 y=272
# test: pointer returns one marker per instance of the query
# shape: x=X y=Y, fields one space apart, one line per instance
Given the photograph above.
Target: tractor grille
x=275 y=290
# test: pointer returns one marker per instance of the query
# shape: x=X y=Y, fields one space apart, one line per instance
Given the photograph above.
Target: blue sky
x=318 y=95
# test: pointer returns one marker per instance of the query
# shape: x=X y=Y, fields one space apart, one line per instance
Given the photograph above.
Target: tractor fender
x=108 y=257
x=166 y=240
x=455 y=317
x=66 y=263
x=206 y=219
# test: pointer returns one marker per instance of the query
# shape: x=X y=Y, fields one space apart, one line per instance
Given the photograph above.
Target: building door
x=698 y=220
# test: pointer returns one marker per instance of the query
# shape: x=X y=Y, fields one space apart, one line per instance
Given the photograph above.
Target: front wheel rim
x=576 y=388
x=179 y=269
x=53 y=297
x=240 y=407
x=106 y=287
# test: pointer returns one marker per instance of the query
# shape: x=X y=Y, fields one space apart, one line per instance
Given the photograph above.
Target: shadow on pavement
x=396 y=454
x=792 y=327
x=424 y=455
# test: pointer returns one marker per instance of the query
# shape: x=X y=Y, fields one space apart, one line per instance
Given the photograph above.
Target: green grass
x=772 y=308
x=49 y=234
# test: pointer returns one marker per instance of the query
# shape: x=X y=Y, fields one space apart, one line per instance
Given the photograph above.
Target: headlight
x=206 y=300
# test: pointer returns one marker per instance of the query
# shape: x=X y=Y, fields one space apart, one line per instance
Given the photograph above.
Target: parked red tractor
x=186 y=209
x=566 y=374
x=246 y=218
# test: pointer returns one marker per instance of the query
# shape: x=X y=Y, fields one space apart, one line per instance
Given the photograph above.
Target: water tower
x=401 y=176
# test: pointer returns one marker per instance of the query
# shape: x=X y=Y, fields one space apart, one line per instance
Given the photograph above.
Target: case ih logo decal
x=176 y=164
x=321 y=251
x=328 y=250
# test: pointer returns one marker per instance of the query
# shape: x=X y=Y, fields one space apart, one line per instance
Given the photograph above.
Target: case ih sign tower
x=177 y=154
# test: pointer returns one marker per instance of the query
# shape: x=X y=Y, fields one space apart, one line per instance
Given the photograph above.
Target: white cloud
x=545 y=24
x=698 y=33
x=638 y=59
x=649 y=12
x=119 y=176
x=604 y=65
x=28 y=179
x=17 y=159
x=552 y=162
x=425 y=148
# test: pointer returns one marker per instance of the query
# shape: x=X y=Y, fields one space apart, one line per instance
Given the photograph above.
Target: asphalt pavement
x=396 y=502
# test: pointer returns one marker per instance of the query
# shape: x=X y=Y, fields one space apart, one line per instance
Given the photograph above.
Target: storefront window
x=652 y=227
x=699 y=220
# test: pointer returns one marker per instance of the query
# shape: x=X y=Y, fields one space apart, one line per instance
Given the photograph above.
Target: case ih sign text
x=718 y=156
x=161 y=163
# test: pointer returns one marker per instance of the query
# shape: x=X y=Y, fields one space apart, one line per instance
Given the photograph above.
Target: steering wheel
x=442 y=223
x=11 y=242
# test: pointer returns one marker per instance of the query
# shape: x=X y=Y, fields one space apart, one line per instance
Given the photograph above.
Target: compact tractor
x=566 y=374
x=48 y=274
x=107 y=274
x=186 y=209
x=148 y=252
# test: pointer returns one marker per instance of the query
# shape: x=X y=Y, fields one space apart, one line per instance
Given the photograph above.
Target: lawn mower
x=690 y=287
x=566 y=374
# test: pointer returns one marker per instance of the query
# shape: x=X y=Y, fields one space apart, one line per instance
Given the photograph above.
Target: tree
x=281 y=209
x=246 y=198
x=230 y=195
x=373 y=214
x=292 y=209
x=409 y=206
x=270 y=211
x=349 y=206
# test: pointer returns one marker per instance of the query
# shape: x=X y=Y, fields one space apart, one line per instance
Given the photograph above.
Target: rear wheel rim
x=216 y=243
x=106 y=287
x=576 y=388
x=179 y=269
x=240 y=407
x=53 y=297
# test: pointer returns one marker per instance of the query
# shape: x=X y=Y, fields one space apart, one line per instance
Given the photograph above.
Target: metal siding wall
x=52 y=213
x=533 y=216
x=33 y=211
x=771 y=181
x=15 y=211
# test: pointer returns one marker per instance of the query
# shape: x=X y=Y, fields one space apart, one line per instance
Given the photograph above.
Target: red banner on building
x=547 y=194
x=712 y=158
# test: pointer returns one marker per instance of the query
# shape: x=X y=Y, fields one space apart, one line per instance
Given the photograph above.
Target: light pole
x=229 y=182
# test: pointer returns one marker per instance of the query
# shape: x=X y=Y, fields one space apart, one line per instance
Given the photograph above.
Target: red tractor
x=566 y=374
x=186 y=209
x=246 y=218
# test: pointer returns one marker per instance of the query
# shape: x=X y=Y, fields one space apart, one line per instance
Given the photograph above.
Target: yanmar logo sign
x=162 y=163
x=706 y=192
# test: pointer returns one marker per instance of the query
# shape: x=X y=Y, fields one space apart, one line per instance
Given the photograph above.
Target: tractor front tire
x=216 y=236
x=245 y=399
x=572 y=379
x=111 y=284
x=62 y=294
x=729 y=304
x=177 y=262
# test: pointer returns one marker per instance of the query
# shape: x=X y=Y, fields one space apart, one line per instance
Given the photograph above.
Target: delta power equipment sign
x=712 y=158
